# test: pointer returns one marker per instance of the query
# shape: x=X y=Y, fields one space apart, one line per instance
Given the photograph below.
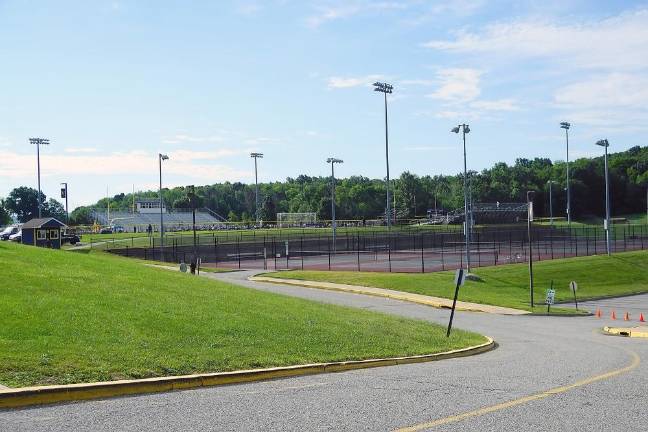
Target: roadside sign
x=460 y=277
x=286 y=247
x=573 y=286
x=551 y=295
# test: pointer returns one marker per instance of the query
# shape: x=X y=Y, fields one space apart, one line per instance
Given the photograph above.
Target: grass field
x=622 y=273
x=74 y=317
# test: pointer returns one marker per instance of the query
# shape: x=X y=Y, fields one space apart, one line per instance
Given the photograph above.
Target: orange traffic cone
x=598 y=313
x=613 y=315
x=626 y=317
x=641 y=318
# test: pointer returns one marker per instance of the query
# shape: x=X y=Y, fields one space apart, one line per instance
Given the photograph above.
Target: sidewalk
x=437 y=302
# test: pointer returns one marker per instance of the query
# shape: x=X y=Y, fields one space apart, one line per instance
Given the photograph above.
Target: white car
x=10 y=230
x=16 y=237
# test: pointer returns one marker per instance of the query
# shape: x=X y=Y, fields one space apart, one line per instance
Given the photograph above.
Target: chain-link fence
x=399 y=251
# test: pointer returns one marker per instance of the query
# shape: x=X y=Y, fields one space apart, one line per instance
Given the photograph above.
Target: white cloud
x=347 y=9
x=349 y=82
x=617 y=43
x=457 y=85
x=248 y=8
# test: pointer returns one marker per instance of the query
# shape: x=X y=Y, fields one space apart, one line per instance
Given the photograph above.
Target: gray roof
x=48 y=222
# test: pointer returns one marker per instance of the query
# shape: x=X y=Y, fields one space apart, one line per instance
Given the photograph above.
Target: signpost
x=460 y=278
x=573 y=286
x=551 y=295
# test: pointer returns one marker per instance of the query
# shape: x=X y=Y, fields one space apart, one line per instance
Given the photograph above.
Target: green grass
x=75 y=317
x=620 y=274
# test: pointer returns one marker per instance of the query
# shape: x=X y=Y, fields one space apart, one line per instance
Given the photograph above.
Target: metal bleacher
x=176 y=219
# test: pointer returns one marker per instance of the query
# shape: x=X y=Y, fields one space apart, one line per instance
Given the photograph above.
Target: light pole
x=465 y=129
x=161 y=157
x=551 y=220
x=333 y=161
x=530 y=195
x=256 y=184
x=64 y=194
x=39 y=142
x=605 y=144
x=385 y=89
x=566 y=126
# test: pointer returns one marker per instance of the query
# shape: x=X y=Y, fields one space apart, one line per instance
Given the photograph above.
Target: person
x=149 y=230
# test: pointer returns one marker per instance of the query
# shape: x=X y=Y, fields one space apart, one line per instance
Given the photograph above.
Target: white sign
x=531 y=211
x=551 y=294
x=460 y=277
x=573 y=286
x=286 y=247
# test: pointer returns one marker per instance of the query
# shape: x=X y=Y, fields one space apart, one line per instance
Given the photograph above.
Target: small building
x=150 y=206
x=43 y=232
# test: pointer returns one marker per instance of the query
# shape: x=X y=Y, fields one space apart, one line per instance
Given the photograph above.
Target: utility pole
x=551 y=220
x=333 y=161
x=605 y=144
x=39 y=142
x=530 y=195
x=566 y=126
x=161 y=157
x=64 y=194
x=256 y=185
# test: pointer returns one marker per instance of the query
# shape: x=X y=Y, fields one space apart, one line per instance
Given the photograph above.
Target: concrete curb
x=437 y=302
x=30 y=396
x=635 y=332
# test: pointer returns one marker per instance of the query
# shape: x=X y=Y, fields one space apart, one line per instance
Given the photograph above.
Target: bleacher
x=174 y=220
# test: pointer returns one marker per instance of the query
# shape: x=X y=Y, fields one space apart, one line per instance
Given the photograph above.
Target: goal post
x=287 y=220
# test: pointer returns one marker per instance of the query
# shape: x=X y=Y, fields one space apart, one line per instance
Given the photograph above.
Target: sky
x=113 y=83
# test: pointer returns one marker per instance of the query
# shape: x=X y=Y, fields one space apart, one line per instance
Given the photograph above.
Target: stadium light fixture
x=333 y=161
x=386 y=89
x=256 y=184
x=566 y=126
x=467 y=228
x=605 y=144
x=39 y=142
x=161 y=157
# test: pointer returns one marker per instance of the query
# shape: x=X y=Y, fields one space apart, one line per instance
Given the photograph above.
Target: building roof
x=48 y=222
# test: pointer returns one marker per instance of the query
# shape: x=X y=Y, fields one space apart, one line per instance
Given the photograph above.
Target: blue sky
x=111 y=84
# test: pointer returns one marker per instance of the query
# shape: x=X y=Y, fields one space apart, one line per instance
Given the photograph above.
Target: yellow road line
x=542 y=395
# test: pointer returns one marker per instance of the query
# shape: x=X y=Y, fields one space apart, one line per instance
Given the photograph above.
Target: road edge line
x=42 y=395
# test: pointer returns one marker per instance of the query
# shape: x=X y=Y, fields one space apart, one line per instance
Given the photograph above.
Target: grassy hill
x=69 y=317
x=508 y=285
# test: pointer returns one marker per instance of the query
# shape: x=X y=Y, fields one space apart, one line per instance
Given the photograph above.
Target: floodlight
x=256 y=155
x=565 y=125
x=383 y=87
x=602 y=143
x=466 y=128
x=164 y=157
x=334 y=160
x=455 y=129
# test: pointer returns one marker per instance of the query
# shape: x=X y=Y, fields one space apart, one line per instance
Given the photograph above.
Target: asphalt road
x=548 y=374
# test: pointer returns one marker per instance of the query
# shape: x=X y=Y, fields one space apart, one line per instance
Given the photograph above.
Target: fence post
x=301 y=252
x=442 y=246
x=389 y=251
x=329 y=252
x=358 y=247
x=422 y=258
x=238 y=251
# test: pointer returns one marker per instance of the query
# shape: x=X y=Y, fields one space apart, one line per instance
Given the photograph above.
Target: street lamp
x=551 y=220
x=39 y=142
x=256 y=184
x=530 y=195
x=385 y=89
x=64 y=194
x=161 y=157
x=604 y=143
x=333 y=161
x=566 y=126
x=465 y=129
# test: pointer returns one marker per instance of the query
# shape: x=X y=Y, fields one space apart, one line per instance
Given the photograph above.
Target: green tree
x=5 y=217
x=23 y=202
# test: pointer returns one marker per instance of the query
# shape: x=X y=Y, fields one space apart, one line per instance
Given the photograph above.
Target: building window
x=54 y=234
x=41 y=235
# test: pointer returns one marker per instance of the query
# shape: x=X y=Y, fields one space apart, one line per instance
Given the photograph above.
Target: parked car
x=106 y=230
x=70 y=237
x=17 y=237
x=10 y=230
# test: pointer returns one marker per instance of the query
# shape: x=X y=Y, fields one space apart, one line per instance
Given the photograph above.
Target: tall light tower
x=550 y=183
x=566 y=126
x=39 y=142
x=385 y=89
x=161 y=157
x=333 y=161
x=530 y=195
x=465 y=129
x=605 y=144
x=256 y=184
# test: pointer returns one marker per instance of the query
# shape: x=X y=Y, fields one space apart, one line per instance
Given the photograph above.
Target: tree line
x=359 y=197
